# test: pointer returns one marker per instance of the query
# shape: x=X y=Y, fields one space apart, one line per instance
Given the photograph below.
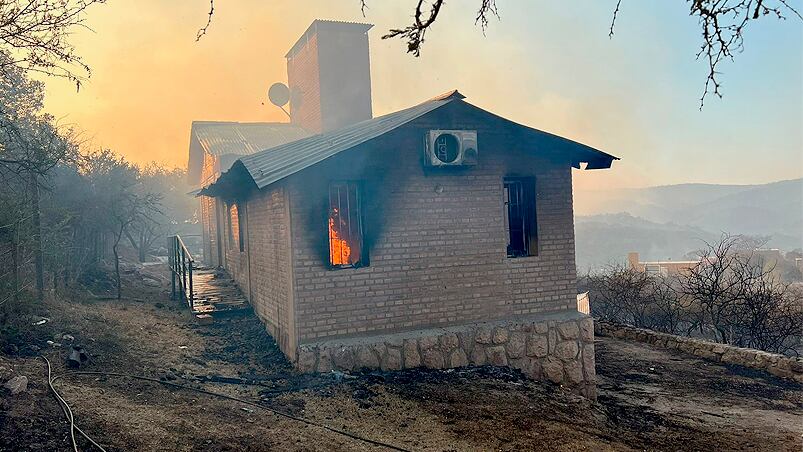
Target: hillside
x=667 y=222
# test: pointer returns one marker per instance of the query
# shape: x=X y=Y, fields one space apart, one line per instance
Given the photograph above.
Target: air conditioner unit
x=451 y=148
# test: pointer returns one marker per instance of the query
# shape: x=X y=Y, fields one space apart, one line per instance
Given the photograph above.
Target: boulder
x=458 y=358
x=567 y=350
x=497 y=356
x=569 y=330
x=391 y=359
x=500 y=335
x=17 y=384
x=516 y=345
x=478 y=356
x=553 y=370
x=432 y=358
x=343 y=358
x=449 y=342
x=364 y=358
x=574 y=372
x=483 y=335
x=307 y=360
x=410 y=354
x=537 y=345
x=587 y=329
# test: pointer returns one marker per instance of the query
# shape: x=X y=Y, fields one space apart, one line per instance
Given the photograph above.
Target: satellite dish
x=279 y=94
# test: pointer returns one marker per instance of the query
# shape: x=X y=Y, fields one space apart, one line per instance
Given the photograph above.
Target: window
x=520 y=217
x=235 y=238
x=345 y=226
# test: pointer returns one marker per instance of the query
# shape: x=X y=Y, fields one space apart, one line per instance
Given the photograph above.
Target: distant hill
x=667 y=222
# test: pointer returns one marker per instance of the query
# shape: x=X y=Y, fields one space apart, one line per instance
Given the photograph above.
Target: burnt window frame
x=526 y=205
x=358 y=218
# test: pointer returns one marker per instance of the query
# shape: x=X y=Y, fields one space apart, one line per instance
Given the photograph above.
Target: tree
x=34 y=37
x=177 y=209
x=120 y=198
x=31 y=144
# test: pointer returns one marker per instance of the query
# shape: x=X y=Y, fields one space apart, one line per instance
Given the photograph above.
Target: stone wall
x=778 y=365
x=557 y=348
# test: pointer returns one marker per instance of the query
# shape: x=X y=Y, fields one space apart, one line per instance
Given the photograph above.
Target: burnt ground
x=649 y=399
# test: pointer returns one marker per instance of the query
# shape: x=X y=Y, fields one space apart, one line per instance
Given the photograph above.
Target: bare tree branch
x=34 y=35
x=202 y=30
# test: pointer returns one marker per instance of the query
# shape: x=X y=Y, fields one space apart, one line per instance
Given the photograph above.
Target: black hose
x=224 y=396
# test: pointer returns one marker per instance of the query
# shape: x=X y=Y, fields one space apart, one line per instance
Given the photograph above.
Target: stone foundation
x=558 y=348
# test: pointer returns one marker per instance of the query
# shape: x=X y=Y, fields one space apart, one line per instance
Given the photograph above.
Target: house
x=440 y=235
x=661 y=268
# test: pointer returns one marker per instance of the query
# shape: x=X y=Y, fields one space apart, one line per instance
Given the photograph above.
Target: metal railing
x=181 y=264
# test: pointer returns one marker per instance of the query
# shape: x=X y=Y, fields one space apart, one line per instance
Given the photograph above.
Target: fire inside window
x=345 y=226
x=520 y=217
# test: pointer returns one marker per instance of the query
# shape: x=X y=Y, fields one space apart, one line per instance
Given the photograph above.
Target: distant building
x=663 y=268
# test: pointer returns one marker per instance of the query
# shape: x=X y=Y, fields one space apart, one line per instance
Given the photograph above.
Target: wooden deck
x=215 y=294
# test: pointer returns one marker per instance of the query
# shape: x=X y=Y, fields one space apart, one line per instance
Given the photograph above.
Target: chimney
x=329 y=76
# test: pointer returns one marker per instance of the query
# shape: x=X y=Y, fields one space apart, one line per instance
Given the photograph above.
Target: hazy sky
x=546 y=64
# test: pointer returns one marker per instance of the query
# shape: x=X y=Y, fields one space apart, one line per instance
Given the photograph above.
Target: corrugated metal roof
x=279 y=162
x=244 y=138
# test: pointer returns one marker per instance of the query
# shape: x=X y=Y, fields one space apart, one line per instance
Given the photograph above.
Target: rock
x=706 y=353
x=500 y=335
x=17 y=384
x=478 y=355
x=574 y=372
x=569 y=330
x=427 y=342
x=324 y=362
x=589 y=365
x=553 y=370
x=364 y=358
x=392 y=359
x=537 y=345
x=466 y=340
x=449 y=342
x=432 y=358
x=410 y=354
x=553 y=340
x=541 y=327
x=343 y=358
x=497 y=356
x=483 y=335
x=566 y=350
x=307 y=360
x=517 y=345
x=587 y=329
x=458 y=358
x=533 y=369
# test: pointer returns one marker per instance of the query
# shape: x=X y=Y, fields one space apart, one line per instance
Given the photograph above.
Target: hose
x=73 y=427
x=65 y=408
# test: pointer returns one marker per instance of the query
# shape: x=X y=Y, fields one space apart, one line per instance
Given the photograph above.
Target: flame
x=339 y=248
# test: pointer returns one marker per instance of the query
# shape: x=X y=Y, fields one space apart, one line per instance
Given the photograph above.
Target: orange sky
x=560 y=74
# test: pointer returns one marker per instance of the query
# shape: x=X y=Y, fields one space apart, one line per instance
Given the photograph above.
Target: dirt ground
x=649 y=399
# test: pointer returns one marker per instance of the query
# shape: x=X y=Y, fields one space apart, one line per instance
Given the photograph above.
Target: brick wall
x=303 y=78
x=268 y=251
x=436 y=238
